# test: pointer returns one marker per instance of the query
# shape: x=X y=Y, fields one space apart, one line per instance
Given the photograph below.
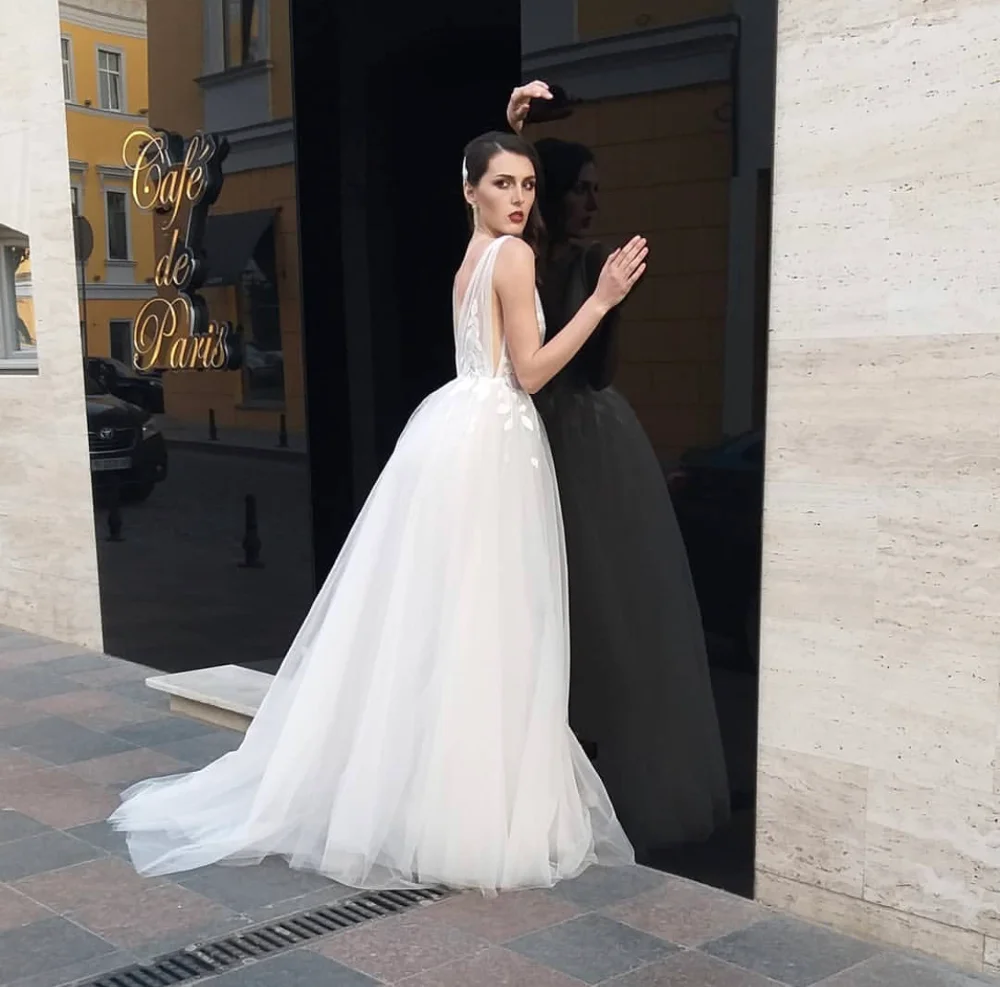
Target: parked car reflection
x=123 y=381
x=126 y=447
x=718 y=496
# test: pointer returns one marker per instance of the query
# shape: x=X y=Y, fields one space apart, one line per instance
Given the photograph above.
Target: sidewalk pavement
x=77 y=727
x=238 y=441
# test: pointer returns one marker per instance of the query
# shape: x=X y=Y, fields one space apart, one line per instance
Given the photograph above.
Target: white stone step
x=226 y=695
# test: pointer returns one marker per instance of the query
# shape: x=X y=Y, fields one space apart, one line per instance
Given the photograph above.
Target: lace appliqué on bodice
x=474 y=351
x=474 y=324
x=470 y=355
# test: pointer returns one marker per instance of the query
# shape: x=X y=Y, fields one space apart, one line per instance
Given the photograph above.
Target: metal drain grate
x=209 y=958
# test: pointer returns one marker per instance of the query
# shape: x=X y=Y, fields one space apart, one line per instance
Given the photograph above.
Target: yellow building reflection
x=218 y=66
x=105 y=86
x=224 y=67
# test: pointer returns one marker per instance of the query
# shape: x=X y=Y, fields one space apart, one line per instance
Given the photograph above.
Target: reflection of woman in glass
x=640 y=696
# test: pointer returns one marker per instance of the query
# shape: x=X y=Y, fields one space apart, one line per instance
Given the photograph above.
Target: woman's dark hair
x=562 y=162
x=478 y=154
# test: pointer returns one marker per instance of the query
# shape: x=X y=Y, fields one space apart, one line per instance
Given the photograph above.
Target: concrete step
x=225 y=696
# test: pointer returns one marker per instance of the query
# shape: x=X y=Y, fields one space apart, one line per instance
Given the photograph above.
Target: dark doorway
x=384 y=106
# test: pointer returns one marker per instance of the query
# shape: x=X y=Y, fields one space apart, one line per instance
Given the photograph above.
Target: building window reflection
x=117 y=217
x=109 y=80
x=120 y=338
x=258 y=312
x=67 y=69
x=244 y=38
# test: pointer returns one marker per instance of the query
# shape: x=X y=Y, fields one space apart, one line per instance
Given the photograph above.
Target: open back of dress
x=480 y=346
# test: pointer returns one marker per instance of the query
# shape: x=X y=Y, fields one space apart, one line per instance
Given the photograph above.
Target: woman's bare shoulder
x=515 y=261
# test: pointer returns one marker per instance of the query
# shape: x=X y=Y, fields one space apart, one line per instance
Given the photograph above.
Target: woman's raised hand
x=621 y=271
x=520 y=102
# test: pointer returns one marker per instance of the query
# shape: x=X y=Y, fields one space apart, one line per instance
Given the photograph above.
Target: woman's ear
x=470 y=194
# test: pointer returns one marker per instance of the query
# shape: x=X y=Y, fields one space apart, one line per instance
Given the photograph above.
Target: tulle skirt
x=417 y=732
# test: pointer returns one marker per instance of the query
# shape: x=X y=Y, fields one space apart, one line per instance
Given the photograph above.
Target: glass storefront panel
x=182 y=165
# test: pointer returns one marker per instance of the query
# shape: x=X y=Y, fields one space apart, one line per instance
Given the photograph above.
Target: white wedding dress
x=417 y=731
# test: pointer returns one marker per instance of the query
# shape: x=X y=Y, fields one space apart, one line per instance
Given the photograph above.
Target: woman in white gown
x=417 y=731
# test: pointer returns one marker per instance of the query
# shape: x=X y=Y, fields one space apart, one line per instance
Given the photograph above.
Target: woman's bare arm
x=535 y=363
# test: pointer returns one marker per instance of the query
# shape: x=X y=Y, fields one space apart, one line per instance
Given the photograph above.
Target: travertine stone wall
x=48 y=565
x=879 y=803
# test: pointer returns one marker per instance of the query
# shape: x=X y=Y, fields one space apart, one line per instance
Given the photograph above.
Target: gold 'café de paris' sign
x=172 y=178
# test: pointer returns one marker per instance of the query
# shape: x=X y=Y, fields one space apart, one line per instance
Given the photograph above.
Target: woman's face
x=580 y=202
x=504 y=196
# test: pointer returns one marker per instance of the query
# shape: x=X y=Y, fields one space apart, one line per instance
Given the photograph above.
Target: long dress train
x=640 y=687
x=416 y=732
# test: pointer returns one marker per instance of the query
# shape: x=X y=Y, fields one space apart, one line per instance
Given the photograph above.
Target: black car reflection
x=718 y=496
x=121 y=380
x=126 y=448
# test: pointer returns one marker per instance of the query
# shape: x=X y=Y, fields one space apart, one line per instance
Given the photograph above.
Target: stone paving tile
x=16 y=763
x=598 y=887
x=99 y=880
x=114 y=674
x=245 y=888
x=592 y=948
x=79 y=701
x=116 y=788
x=302 y=968
x=33 y=651
x=506 y=916
x=24 y=684
x=75 y=972
x=901 y=971
x=17 y=910
x=101 y=835
x=14 y=637
x=116 y=712
x=109 y=899
x=47 y=946
x=790 y=951
x=691 y=969
x=58 y=798
x=48 y=651
x=393 y=948
x=139 y=692
x=686 y=913
x=494 y=967
x=165 y=730
x=86 y=661
x=209 y=927
x=61 y=742
x=15 y=714
x=15 y=826
x=271 y=911
x=44 y=852
x=31 y=658
x=199 y=751
x=126 y=768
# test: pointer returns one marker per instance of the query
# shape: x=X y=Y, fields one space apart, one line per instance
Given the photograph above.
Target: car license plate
x=111 y=464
